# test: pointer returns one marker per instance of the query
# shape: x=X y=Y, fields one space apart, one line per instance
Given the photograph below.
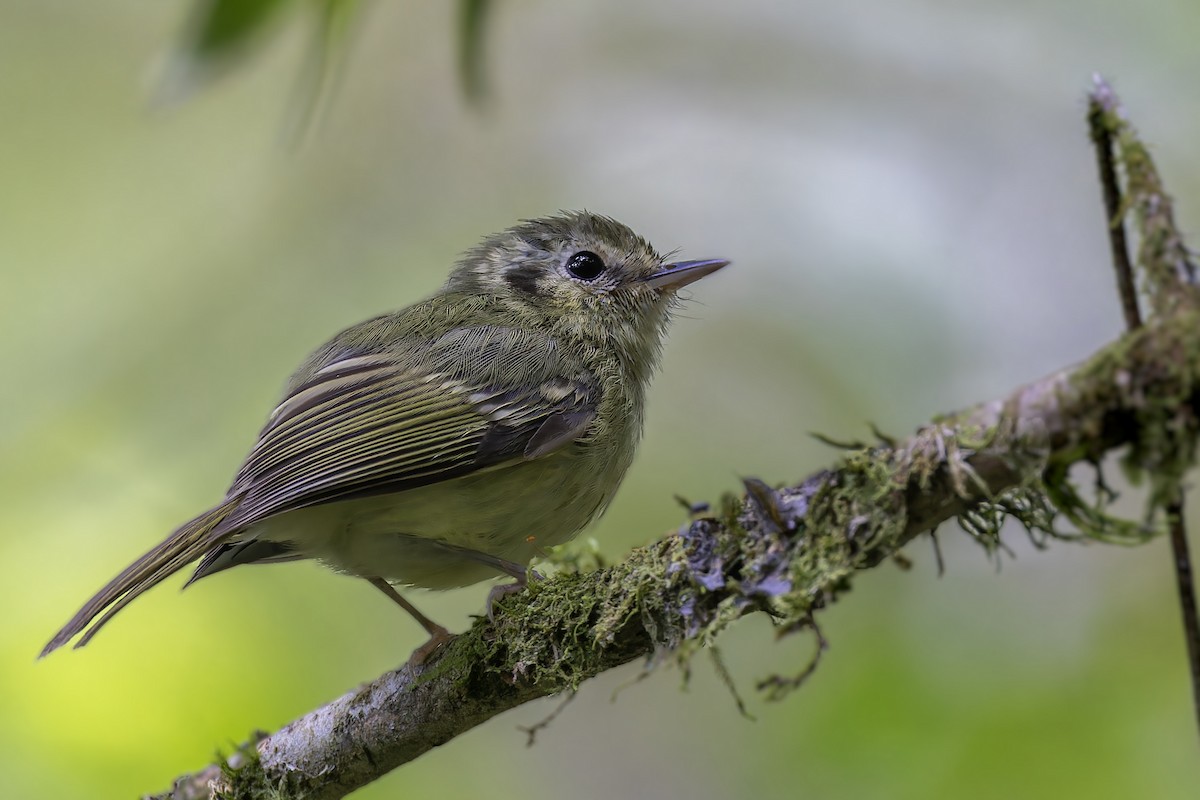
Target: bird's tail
x=189 y=541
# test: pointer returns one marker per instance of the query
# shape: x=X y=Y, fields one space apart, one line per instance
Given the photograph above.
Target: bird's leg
x=519 y=572
x=438 y=635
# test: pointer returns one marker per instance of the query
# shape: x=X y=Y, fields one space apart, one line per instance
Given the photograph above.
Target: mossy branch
x=788 y=552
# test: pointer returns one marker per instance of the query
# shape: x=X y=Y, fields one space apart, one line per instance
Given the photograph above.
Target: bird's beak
x=680 y=274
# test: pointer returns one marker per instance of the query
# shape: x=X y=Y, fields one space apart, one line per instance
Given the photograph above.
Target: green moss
x=1158 y=419
x=244 y=778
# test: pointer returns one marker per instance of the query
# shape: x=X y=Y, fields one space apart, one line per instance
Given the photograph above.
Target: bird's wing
x=374 y=424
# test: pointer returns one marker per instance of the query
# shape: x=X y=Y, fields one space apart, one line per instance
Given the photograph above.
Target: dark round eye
x=585 y=265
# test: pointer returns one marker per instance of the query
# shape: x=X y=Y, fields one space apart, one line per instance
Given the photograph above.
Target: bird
x=451 y=441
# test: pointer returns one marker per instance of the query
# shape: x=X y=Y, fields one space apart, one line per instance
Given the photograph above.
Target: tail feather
x=187 y=543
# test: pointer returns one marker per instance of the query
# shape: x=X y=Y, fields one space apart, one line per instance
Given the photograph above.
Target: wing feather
x=371 y=424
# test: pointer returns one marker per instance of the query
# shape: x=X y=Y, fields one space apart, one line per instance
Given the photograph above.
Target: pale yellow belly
x=414 y=537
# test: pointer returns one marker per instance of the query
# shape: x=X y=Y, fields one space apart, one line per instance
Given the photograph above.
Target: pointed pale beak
x=680 y=274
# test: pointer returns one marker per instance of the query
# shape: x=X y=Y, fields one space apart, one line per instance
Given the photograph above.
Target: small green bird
x=442 y=444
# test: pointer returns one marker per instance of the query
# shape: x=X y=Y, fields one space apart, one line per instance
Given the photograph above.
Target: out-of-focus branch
x=785 y=552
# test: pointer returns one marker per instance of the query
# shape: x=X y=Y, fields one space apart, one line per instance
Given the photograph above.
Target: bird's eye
x=585 y=265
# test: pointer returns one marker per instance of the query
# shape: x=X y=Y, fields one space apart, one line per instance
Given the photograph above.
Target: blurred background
x=907 y=190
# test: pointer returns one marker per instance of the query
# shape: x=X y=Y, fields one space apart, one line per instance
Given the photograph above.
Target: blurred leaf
x=322 y=66
x=218 y=31
x=222 y=26
x=472 y=18
x=222 y=31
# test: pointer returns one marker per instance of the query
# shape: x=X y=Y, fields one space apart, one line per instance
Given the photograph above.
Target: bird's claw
x=438 y=638
x=503 y=590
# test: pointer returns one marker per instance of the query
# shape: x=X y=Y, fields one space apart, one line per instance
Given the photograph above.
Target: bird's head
x=582 y=276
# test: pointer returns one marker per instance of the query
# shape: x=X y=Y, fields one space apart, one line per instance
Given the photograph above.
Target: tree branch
x=784 y=552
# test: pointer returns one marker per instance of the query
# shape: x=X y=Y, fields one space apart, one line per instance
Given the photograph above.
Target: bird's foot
x=523 y=579
x=438 y=638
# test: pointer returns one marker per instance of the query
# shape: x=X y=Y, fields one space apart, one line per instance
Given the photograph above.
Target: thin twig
x=937 y=553
x=1187 y=594
x=532 y=731
x=1102 y=102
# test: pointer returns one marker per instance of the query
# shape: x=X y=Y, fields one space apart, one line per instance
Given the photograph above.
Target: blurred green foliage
x=221 y=33
x=908 y=195
x=223 y=27
x=472 y=20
